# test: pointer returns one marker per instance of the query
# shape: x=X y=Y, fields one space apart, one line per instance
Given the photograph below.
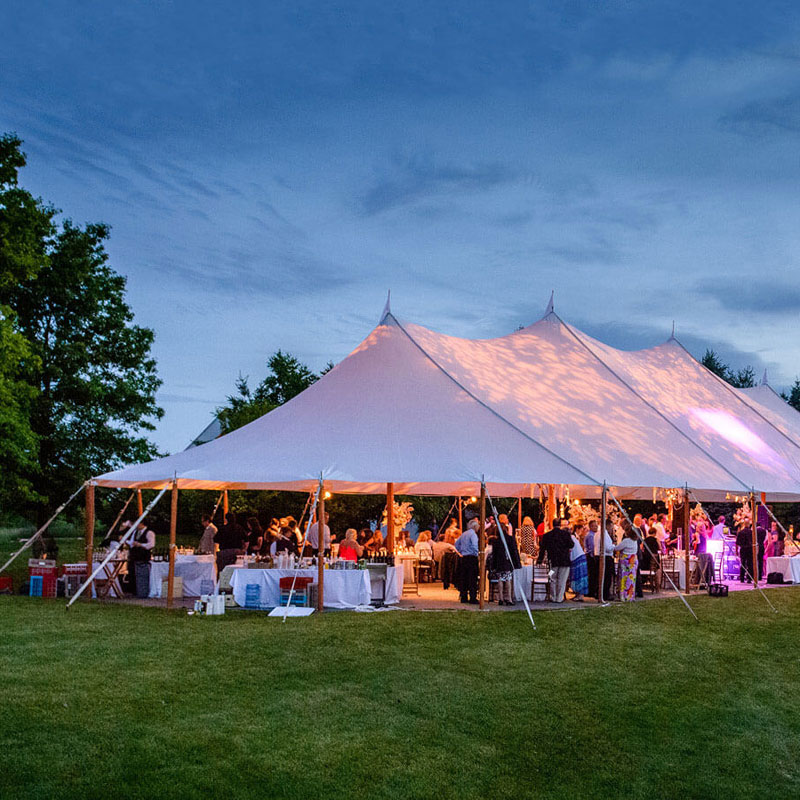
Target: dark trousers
x=593 y=567
x=468 y=578
x=608 y=577
x=746 y=568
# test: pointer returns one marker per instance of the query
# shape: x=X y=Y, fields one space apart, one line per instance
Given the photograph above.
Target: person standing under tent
x=467 y=548
x=313 y=536
x=628 y=549
x=231 y=539
x=375 y=543
x=557 y=545
x=578 y=569
x=649 y=560
x=448 y=559
x=718 y=531
x=608 y=571
x=778 y=538
x=661 y=534
x=744 y=549
x=501 y=569
x=141 y=546
x=350 y=549
x=527 y=537
x=591 y=558
x=284 y=542
x=206 y=544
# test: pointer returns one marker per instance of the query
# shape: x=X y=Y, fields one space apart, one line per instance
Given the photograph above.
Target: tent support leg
x=320 y=547
x=139 y=503
x=89 y=521
x=601 y=567
x=482 y=550
x=225 y=506
x=390 y=517
x=754 y=526
x=687 y=538
x=173 y=526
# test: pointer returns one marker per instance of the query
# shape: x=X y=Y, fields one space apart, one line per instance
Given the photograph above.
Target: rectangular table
x=788 y=566
x=345 y=588
x=394 y=585
x=193 y=569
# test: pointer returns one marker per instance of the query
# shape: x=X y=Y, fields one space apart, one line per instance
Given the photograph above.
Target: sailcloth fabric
x=436 y=414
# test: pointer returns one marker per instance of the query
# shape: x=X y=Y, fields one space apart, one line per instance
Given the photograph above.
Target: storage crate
x=300 y=583
x=74 y=576
x=6 y=584
x=252 y=595
x=48 y=572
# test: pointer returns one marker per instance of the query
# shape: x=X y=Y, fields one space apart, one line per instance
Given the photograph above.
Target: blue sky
x=269 y=170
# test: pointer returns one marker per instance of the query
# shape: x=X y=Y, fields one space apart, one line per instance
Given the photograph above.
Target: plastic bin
x=177 y=587
x=6 y=584
x=252 y=595
x=48 y=572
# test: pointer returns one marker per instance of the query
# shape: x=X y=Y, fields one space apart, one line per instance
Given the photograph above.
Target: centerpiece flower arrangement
x=743 y=515
x=402 y=513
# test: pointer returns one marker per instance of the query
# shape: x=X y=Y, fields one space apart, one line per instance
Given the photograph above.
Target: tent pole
x=89 y=497
x=390 y=517
x=519 y=514
x=754 y=526
x=320 y=546
x=550 y=507
x=601 y=566
x=225 y=505
x=482 y=549
x=461 y=513
x=139 y=503
x=687 y=537
x=173 y=526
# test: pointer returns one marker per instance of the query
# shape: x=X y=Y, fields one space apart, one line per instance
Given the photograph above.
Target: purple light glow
x=738 y=434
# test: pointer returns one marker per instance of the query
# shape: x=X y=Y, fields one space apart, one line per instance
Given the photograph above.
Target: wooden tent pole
x=754 y=526
x=461 y=513
x=601 y=565
x=89 y=527
x=482 y=549
x=687 y=538
x=320 y=547
x=390 y=517
x=225 y=505
x=139 y=503
x=519 y=514
x=173 y=527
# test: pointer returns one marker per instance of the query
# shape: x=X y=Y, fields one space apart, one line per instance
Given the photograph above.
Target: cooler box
x=74 y=577
x=47 y=570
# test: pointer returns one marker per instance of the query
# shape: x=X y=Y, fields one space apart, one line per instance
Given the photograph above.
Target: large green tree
x=741 y=378
x=287 y=377
x=90 y=376
x=793 y=397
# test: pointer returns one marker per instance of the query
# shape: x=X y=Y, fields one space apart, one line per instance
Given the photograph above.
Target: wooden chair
x=540 y=584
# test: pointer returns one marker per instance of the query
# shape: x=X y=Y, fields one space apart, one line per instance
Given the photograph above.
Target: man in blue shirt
x=467 y=548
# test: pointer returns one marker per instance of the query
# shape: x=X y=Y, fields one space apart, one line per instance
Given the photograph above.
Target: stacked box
x=48 y=572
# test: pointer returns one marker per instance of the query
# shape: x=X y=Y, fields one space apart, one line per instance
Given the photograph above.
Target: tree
x=740 y=378
x=90 y=379
x=287 y=377
x=793 y=398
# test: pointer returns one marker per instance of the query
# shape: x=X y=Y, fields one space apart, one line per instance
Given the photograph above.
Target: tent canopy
x=436 y=414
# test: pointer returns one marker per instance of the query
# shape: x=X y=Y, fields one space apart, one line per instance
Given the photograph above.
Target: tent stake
x=173 y=526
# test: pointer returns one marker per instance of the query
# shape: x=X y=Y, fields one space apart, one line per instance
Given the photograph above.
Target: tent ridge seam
x=488 y=407
x=650 y=406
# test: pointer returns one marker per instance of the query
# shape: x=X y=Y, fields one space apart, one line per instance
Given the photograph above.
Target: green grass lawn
x=123 y=701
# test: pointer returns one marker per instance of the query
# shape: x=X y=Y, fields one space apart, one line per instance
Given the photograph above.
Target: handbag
x=718 y=589
x=775 y=577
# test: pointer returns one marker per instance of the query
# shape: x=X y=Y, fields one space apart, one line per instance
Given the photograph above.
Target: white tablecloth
x=345 y=588
x=522 y=581
x=788 y=567
x=394 y=586
x=193 y=570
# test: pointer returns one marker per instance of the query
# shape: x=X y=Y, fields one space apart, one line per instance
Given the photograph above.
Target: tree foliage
x=287 y=377
x=89 y=381
x=741 y=378
x=793 y=397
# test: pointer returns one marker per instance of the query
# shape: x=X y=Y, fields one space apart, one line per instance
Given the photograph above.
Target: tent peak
x=551 y=305
x=387 y=308
x=672 y=335
x=764 y=381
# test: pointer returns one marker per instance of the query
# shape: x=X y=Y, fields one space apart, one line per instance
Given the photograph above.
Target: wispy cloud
x=760 y=295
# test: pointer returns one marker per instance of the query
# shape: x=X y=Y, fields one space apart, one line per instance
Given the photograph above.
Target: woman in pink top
x=350 y=549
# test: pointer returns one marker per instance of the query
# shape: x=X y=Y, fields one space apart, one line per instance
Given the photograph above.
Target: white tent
x=436 y=414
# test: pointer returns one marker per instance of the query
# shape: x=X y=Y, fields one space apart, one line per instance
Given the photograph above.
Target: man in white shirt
x=718 y=531
x=206 y=544
x=313 y=536
x=608 y=574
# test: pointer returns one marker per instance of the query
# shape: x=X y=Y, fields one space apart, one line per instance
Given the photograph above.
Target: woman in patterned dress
x=628 y=549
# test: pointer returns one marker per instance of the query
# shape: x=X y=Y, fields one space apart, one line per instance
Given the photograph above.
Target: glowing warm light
x=714 y=546
x=473 y=499
x=327 y=495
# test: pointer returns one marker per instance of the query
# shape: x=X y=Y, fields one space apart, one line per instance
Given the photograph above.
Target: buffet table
x=393 y=592
x=788 y=566
x=193 y=569
x=345 y=588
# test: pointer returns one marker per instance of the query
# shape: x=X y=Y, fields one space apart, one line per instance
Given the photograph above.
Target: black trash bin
x=143 y=579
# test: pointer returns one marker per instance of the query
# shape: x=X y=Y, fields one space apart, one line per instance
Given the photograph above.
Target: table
x=394 y=585
x=522 y=581
x=788 y=566
x=343 y=588
x=193 y=570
